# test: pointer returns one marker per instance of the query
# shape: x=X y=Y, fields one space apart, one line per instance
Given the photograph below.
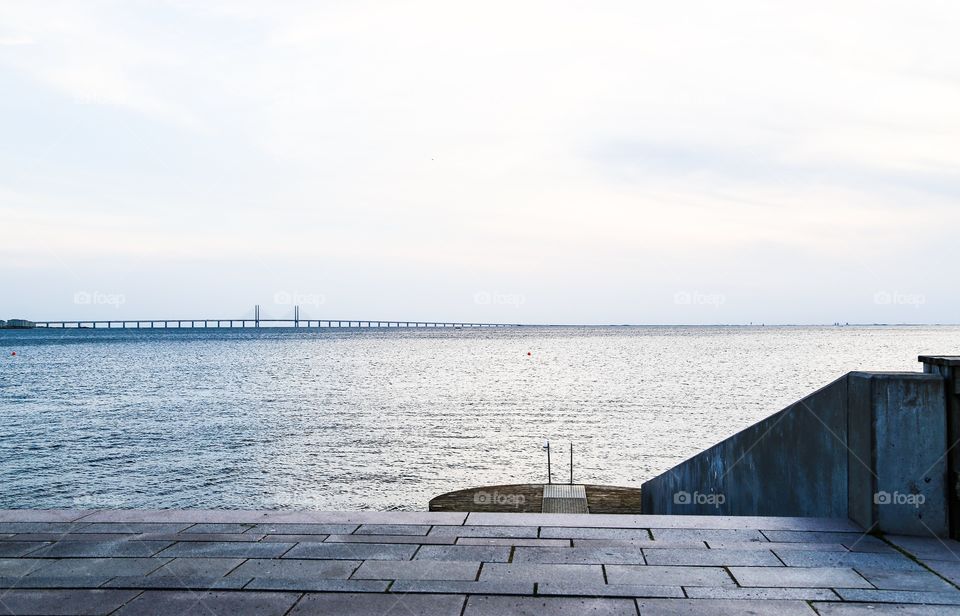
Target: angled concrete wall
x=869 y=446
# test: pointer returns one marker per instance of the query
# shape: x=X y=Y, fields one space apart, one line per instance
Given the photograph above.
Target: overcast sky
x=559 y=162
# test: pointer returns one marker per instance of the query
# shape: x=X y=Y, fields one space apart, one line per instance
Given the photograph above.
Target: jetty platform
x=463 y=564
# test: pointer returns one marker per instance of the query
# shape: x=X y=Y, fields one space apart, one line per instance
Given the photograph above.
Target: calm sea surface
x=379 y=419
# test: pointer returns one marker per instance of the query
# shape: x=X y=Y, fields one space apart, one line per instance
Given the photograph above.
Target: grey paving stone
x=764 y=545
x=227 y=549
x=525 y=532
x=56 y=528
x=580 y=556
x=900 y=596
x=655 y=575
x=97 y=567
x=700 y=534
x=765 y=594
x=424 y=540
x=499 y=605
x=101 y=549
x=176 y=582
x=616 y=543
x=806 y=558
x=292 y=568
x=799 y=577
x=304 y=529
x=132 y=528
x=484 y=553
x=755 y=558
x=416 y=570
x=949 y=569
x=221 y=516
x=534 y=572
x=220 y=529
x=607 y=590
x=207 y=537
x=722 y=607
x=317 y=585
x=378 y=604
x=892 y=579
x=791 y=536
x=294 y=538
x=211 y=603
x=40 y=581
x=934 y=548
x=19 y=548
x=620 y=534
x=353 y=551
x=541 y=543
x=198 y=567
x=55 y=537
x=63 y=602
x=878 y=609
x=462 y=587
x=14 y=567
x=392 y=529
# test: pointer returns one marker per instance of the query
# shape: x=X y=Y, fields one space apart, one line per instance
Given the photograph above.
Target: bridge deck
x=298 y=563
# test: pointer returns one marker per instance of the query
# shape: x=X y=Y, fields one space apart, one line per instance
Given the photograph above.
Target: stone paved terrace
x=300 y=563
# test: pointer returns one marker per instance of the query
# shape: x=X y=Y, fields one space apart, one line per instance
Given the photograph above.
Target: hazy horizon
x=559 y=163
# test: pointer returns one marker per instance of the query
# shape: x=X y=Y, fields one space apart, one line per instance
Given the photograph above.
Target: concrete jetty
x=463 y=564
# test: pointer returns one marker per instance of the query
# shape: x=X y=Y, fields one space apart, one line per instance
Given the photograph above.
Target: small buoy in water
x=14 y=353
x=528 y=352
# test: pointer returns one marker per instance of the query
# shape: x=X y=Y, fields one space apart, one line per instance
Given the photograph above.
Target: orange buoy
x=14 y=353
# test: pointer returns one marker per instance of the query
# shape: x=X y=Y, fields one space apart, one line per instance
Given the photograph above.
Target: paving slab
x=770 y=545
x=97 y=567
x=893 y=579
x=294 y=538
x=308 y=584
x=227 y=549
x=900 y=596
x=176 y=582
x=614 y=543
x=20 y=548
x=765 y=594
x=722 y=607
x=132 y=528
x=56 y=528
x=353 y=551
x=655 y=575
x=662 y=521
x=304 y=529
x=799 y=577
x=878 y=609
x=413 y=539
x=540 y=543
x=701 y=557
x=41 y=581
x=199 y=567
x=15 y=567
x=708 y=534
x=533 y=572
x=417 y=570
x=206 y=537
x=526 y=532
x=196 y=516
x=43 y=515
x=462 y=587
x=393 y=529
x=807 y=558
x=934 y=548
x=580 y=556
x=346 y=604
x=57 y=537
x=64 y=602
x=498 y=605
x=850 y=538
x=221 y=528
x=607 y=590
x=101 y=549
x=620 y=534
x=290 y=568
x=950 y=569
x=210 y=603
x=484 y=553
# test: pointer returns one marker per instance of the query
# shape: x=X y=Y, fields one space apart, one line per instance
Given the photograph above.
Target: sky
x=533 y=162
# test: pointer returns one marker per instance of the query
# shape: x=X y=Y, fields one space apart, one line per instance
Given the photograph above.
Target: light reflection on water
x=379 y=419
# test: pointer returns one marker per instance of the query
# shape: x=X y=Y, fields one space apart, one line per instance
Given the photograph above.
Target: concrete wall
x=869 y=446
